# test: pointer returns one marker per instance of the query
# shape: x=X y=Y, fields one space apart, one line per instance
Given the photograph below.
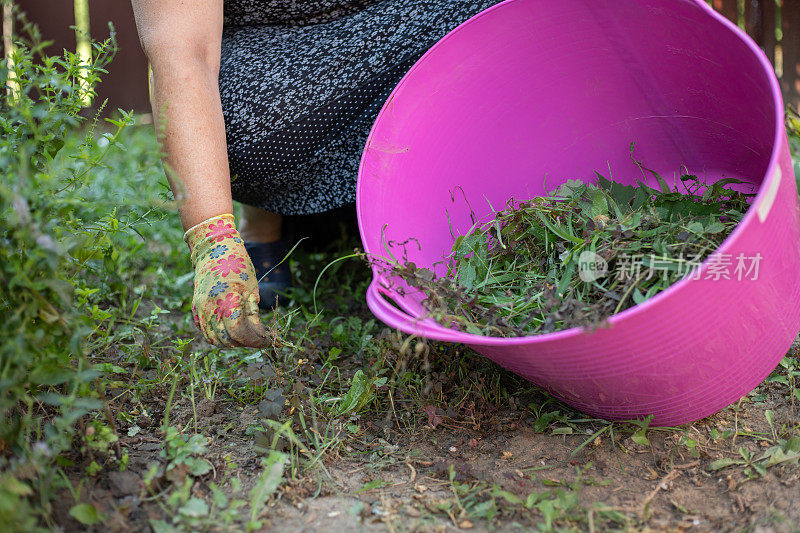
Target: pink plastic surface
x=560 y=88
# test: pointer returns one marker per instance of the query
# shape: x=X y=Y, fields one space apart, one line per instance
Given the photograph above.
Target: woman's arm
x=182 y=40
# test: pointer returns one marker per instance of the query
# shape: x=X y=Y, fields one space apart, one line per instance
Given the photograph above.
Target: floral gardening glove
x=225 y=303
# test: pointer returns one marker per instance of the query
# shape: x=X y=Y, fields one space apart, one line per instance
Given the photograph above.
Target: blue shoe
x=273 y=286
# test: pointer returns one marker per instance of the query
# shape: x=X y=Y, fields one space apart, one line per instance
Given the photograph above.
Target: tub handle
x=378 y=297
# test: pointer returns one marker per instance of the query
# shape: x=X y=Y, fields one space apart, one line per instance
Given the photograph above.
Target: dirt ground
x=435 y=475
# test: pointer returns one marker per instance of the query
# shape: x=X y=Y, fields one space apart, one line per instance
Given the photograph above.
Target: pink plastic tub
x=561 y=88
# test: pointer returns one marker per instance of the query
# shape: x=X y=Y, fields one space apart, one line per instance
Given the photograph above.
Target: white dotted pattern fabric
x=301 y=83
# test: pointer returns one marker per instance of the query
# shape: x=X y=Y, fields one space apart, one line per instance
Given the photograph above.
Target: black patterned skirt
x=301 y=83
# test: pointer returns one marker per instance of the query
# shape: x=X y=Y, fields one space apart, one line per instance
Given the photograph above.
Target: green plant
x=61 y=290
x=785 y=451
x=788 y=373
x=546 y=509
x=360 y=393
x=266 y=485
x=542 y=265
x=182 y=452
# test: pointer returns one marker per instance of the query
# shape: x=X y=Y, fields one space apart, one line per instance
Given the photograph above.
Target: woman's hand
x=225 y=303
x=182 y=41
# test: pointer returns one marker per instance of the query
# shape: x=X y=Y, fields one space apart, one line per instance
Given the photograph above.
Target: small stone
x=206 y=407
x=144 y=421
x=124 y=483
x=377 y=510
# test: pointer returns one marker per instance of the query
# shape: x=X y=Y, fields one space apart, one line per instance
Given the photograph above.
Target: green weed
x=555 y=275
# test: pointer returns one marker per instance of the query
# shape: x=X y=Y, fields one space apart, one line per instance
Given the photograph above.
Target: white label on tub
x=769 y=196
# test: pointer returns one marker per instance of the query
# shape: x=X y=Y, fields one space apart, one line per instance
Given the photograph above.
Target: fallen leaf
x=434 y=418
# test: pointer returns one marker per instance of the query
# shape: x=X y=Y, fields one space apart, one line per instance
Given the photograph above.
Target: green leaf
x=271 y=406
x=621 y=195
x=160 y=526
x=267 y=483
x=486 y=510
x=745 y=453
x=374 y=484
x=770 y=416
x=599 y=204
x=198 y=467
x=638 y=297
x=509 y=497
x=696 y=227
x=543 y=421
x=15 y=486
x=109 y=368
x=793 y=445
x=219 y=498
x=467 y=275
x=639 y=437
x=194 y=508
x=359 y=394
x=721 y=463
x=86 y=514
x=662 y=183
x=531 y=500
x=566 y=278
x=457 y=244
x=51 y=374
x=547 y=508
x=196 y=444
x=558 y=230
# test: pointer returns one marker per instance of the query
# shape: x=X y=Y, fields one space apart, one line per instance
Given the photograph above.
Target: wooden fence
x=773 y=24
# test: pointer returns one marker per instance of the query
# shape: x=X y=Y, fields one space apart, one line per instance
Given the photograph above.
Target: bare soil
x=395 y=475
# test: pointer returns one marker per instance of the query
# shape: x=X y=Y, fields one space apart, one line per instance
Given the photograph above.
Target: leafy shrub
x=59 y=262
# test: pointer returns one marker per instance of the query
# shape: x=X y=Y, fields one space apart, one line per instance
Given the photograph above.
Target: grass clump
x=579 y=255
